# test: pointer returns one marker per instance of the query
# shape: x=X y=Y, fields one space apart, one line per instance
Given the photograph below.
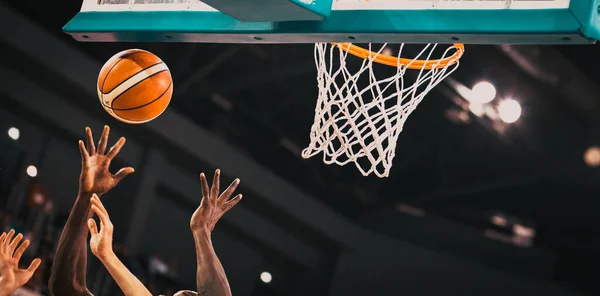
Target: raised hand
x=68 y=274
x=11 y=277
x=95 y=177
x=101 y=241
x=213 y=206
x=101 y=245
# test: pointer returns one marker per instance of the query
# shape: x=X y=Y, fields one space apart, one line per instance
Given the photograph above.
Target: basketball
x=135 y=86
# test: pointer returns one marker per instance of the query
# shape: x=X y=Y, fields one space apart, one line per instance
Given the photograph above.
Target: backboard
x=357 y=21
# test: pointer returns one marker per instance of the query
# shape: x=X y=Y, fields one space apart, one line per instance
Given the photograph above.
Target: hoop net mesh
x=358 y=117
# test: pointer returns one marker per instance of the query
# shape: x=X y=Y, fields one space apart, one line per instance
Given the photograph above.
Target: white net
x=358 y=117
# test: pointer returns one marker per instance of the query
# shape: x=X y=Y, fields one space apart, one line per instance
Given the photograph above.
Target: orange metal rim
x=393 y=61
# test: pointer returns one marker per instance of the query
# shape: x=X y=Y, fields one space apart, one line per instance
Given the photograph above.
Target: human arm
x=210 y=275
x=68 y=274
x=11 y=276
x=101 y=246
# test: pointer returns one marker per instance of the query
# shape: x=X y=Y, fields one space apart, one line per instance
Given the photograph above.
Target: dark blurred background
x=473 y=205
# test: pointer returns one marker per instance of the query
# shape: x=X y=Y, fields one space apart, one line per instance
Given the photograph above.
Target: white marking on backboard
x=195 y=5
x=148 y=5
x=447 y=4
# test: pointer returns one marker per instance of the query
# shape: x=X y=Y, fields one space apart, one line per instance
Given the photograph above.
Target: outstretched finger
x=2 y=239
x=214 y=190
x=84 y=153
x=231 y=203
x=14 y=243
x=122 y=173
x=103 y=140
x=104 y=220
x=114 y=150
x=229 y=191
x=93 y=227
x=34 y=265
x=204 y=184
x=19 y=252
x=91 y=147
x=7 y=240
x=96 y=201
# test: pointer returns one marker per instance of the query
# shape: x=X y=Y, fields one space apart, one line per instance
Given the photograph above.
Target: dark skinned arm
x=68 y=274
x=210 y=277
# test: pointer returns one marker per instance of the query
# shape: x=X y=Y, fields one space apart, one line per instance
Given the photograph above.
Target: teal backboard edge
x=587 y=13
x=575 y=25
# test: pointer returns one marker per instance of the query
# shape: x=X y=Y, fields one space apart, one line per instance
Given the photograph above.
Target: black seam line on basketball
x=127 y=119
x=141 y=106
x=136 y=73
x=136 y=122
x=124 y=91
x=113 y=66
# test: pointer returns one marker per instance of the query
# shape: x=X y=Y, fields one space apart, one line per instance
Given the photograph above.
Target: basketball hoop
x=358 y=117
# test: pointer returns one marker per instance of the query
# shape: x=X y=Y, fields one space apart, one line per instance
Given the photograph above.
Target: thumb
x=122 y=173
x=34 y=265
x=92 y=227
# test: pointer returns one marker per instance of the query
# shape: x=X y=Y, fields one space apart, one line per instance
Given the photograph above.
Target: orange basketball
x=135 y=86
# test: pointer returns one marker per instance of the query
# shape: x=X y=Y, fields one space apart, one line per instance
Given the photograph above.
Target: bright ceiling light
x=266 y=277
x=14 y=133
x=509 y=110
x=32 y=171
x=483 y=92
x=592 y=156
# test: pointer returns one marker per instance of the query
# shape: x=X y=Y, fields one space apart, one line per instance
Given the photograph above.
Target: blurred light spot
x=387 y=51
x=483 y=92
x=523 y=231
x=592 y=156
x=476 y=108
x=266 y=277
x=457 y=116
x=14 y=133
x=291 y=146
x=221 y=101
x=410 y=210
x=509 y=110
x=32 y=171
x=499 y=220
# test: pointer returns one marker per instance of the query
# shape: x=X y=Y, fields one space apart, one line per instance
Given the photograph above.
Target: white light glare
x=32 y=171
x=476 y=109
x=483 y=93
x=509 y=110
x=14 y=133
x=266 y=277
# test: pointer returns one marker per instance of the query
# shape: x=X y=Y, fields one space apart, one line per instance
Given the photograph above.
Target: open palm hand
x=95 y=177
x=214 y=204
x=11 y=277
x=100 y=241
